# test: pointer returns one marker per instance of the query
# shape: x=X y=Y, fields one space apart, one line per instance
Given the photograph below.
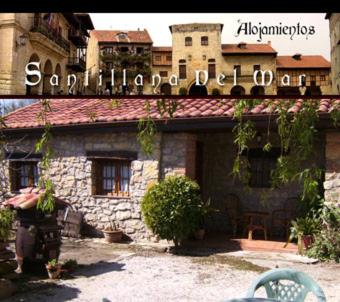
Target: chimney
x=297 y=56
x=270 y=43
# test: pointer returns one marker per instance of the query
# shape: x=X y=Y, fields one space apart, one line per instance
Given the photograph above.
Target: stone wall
x=332 y=175
x=218 y=158
x=71 y=172
x=174 y=153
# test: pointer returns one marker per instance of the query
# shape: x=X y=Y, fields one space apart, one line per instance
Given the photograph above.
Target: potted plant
x=6 y=220
x=303 y=229
x=206 y=210
x=112 y=233
x=53 y=269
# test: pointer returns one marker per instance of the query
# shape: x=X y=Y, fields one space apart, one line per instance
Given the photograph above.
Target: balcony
x=42 y=27
x=77 y=64
x=77 y=37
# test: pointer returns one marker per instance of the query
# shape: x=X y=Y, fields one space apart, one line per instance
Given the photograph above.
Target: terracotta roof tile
x=304 y=62
x=133 y=36
x=248 y=48
x=90 y=111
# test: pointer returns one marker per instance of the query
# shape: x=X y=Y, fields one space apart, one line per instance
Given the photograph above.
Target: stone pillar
x=332 y=175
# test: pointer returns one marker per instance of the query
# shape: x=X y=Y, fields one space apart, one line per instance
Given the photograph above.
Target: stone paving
x=130 y=273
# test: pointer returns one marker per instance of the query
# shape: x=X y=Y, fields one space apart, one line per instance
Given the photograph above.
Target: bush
x=182 y=91
x=6 y=220
x=173 y=208
x=215 y=91
x=326 y=244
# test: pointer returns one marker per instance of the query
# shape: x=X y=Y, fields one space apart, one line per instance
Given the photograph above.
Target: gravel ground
x=116 y=274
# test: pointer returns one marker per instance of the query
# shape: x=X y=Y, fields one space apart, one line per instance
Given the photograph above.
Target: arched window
x=204 y=40
x=188 y=41
x=182 y=69
x=211 y=69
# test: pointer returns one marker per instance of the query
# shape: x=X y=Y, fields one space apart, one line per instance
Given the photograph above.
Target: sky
x=158 y=26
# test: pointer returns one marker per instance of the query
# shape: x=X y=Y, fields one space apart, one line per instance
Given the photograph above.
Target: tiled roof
x=28 y=198
x=247 y=49
x=303 y=62
x=90 y=111
x=162 y=48
x=133 y=36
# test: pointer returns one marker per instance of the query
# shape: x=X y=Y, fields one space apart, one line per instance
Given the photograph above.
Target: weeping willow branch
x=46 y=201
x=146 y=126
x=244 y=132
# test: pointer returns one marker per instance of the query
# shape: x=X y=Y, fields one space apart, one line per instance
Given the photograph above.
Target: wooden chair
x=286 y=285
x=281 y=218
x=235 y=212
x=256 y=221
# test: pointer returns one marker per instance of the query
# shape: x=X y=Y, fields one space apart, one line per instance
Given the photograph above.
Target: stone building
x=99 y=167
x=229 y=67
x=119 y=50
x=309 y=75
x=334 y=32
x=57 y=41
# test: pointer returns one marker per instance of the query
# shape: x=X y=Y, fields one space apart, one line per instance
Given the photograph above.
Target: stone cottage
x=99 y=167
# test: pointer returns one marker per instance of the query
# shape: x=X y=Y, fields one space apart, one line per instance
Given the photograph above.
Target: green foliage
x=70 y=264
x=6 y=220
x=326 y=245
x=244 y=132
x=173 y=208
x=146 y=135
x=308 y=225
x=53 y=262
x=182 y=91
x=46 y=201
x=167 y=106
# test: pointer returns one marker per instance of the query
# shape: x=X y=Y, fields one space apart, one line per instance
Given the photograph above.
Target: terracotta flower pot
x=53 y=272
x=307 y=240
x=113 y=236
x=199 y=234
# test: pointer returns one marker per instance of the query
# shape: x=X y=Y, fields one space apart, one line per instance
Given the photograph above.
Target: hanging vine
x=297 y=133
x=46 y=201
x=146 y=126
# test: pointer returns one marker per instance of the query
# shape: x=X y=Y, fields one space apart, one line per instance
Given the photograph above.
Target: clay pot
x=113 y=236
x=199 y=234
x=53 y=272
x=307 y=241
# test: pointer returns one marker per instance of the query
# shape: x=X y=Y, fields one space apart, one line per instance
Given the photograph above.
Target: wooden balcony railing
x=76 y=63
x=41 y=26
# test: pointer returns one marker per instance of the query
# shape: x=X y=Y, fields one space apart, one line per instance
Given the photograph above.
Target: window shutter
x=96 y=178
x=14 y=176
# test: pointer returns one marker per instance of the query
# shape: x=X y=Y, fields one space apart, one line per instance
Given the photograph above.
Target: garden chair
x=281 y=218
x=296 y=289
x=235 y=212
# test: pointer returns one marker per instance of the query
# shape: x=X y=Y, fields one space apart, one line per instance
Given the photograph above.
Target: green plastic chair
x=297 y=291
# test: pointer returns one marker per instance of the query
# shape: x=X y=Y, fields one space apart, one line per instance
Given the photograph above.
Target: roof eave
x=177 y=124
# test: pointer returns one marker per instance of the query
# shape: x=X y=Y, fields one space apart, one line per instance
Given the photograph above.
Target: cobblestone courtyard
x=117 y=273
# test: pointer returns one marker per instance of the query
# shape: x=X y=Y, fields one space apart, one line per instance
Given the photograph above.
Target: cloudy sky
x=158 y=26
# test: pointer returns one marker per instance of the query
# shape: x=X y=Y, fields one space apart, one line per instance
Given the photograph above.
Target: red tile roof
x=133 y=36
x=91 y=111
x=28 y=198
x=162 y=48
x=248 y=49
x=304 y=62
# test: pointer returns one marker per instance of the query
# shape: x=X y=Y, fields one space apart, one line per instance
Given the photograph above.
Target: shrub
x=326 y=244
x=182 y=91
x=173 y=208
x=215 y=91
x=6 y=220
